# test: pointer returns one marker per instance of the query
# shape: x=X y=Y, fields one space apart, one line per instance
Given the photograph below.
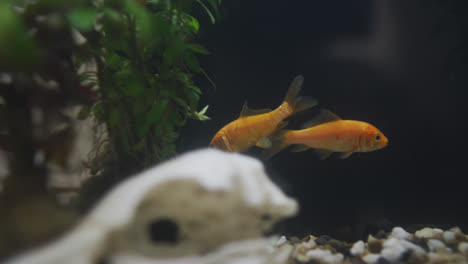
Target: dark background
x=397 y=64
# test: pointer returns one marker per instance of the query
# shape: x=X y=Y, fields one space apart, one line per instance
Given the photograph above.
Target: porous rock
x=202 y=207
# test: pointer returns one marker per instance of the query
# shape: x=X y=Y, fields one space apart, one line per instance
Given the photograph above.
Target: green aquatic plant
x=129 y=65
x=146 y=58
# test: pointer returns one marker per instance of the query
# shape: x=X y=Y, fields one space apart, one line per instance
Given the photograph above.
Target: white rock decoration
x=203 y=207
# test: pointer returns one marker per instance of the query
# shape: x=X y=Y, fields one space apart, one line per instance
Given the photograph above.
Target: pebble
x=381 y=235
x=392 y=250
x=355 y=260
x=425 y=233
x=371 y=258
x=436 y=245
x=374 y=245
x=383 y=260
x=294 y=239
x=358 y=248
x=463 y=248
x=419 y=242
x=283 y=253
x=456 y=230
x=324 y=256
x=417 y=250
x=446 y=258
x=427 y=245
x=302 y=258
x=338 y=246
x=396 y=249
x=438 y=232
x=312 y=243
x=393 y=254
x=399 y=233
x=308 y=245
x=321 y=240
x=449 y=237
x=281 y=241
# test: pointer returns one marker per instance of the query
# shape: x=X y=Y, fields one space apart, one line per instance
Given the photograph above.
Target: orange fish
x=327 y=134
x=254 y=127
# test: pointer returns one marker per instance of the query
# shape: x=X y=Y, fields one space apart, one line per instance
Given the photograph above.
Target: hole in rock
x=164 y=231
x=266 y=217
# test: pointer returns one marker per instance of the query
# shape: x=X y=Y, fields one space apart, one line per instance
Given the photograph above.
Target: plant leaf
x=113 y=61
x=198 y=48
x=142 y=18
x=156 y=111
x=83 y=18
x=203 y=111
x=201 y=115
x=213 y=20
x=17 y=49
x=153 y=116
x=214 y=6
x=191 y=23
x=174 y=48
x=192 y=62
x=196 y=89
x=114 y=117
x=140 y=145
x=180 y=102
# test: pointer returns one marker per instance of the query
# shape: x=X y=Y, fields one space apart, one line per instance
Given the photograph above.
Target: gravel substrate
x=428 y=245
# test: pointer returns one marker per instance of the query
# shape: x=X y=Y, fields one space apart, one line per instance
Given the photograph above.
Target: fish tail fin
x=278 y=143
x=296 y=102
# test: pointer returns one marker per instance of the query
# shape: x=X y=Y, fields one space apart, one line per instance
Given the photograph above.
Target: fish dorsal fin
x=324 y=116
x=244 y=110
x=250 y=112
x=264 y=142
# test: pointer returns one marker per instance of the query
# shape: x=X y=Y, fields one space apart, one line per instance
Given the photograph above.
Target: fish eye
x=377 y=137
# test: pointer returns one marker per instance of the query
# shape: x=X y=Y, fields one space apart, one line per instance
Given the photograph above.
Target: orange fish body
x=345 y=136
x=340 y=136
x=253 y=127
x=247 y=131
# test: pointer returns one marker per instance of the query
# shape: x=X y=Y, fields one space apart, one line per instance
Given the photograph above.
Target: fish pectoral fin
x=324 y=116
x=344 y=155
x=227 y=144
x=264 y=142
x=300 y=148
x=250 y=112
x=323 y=153
x=283 y=124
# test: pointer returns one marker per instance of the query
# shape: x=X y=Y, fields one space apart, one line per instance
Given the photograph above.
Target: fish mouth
x=384 y=142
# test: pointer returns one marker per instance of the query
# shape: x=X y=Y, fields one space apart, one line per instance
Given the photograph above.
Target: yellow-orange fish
x=254 y=127
x=327 y=134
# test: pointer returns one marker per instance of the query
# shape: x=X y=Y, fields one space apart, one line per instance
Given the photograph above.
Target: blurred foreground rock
x=202 y=207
